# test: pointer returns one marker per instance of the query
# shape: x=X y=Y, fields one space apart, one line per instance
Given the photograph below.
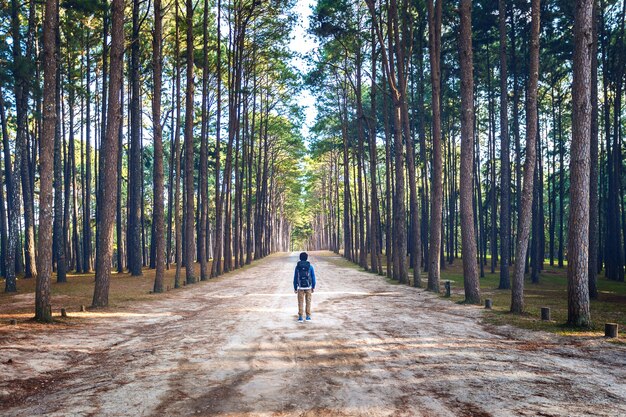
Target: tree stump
x=545 y=313
x=63 y=312
x=611 y=330
x=488 y=303
x=447 y=285
x=83 y=308
x=13 y=322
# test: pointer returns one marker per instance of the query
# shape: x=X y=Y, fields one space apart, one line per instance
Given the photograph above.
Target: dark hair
x=304 y=256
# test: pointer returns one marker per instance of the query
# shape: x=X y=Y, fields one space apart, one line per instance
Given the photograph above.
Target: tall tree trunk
x=108 y=171
x=216 y=268
x=388 y=183
x=593 y=173
x=360 y=157
x=134 y=163
x=517 y=293
x=103 y=112
x=21 y=141
x=118 y=224
x=158 y=211
x=424 y=160
x=578 y=313
x=561 y=185
x=434 y=245
x=347 y=235
x=177 y=219
x=87 y=162
x=77 y=258
x=203 y=174
x=59 y=236
x=13 y=204
x=189 y=187
x=516 y=131
x=505 y=164
x=415 y=239
x=374 y=213
x=468 y=236
x=43 y=310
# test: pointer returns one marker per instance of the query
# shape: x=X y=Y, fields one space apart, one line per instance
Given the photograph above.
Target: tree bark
x=13 y=204
x=176 y=152
x=58 y=236
x=158 y=212
x=108 y=171
x=21 y=163
x=216 y=268
x=134 y=164
x=203 y=174
x=505 y=176
x=87 y=162
x=593 y=174
x=189 y=187
x=578 y=313
x=517 y=293
x=434 y=245
x=470 y=272
x=46 y=163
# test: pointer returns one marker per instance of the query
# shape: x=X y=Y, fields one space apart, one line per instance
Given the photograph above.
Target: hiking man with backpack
x=304 y=285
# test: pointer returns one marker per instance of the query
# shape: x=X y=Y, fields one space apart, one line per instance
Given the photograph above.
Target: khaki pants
x=302 y=294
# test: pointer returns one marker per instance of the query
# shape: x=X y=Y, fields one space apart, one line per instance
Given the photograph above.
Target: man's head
x=304 y=256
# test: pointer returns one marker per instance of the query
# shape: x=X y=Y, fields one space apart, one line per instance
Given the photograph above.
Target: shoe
x=308 y=318
x=300 y=319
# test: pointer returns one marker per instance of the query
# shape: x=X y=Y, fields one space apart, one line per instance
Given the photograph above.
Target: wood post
x=545 y=313
x=611 y=330
x=447 y=285
x=63 y=312
x=488 y=303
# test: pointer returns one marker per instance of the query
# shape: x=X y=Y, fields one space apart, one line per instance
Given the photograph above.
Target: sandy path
x=233 y=347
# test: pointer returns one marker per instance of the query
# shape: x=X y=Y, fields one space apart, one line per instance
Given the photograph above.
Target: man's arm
x=295 y=279
x=312 y=277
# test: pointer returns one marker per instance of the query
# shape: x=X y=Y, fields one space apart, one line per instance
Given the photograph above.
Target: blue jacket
x=295 y=278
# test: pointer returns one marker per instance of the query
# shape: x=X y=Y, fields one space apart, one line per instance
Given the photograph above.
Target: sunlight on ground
x=291 y=294
x=90 y=314
x=107 y=314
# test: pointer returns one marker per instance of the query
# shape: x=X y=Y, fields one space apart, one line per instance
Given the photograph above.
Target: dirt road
x=233 y=347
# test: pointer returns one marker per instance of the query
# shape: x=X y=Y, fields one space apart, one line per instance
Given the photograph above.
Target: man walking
x=304 y=285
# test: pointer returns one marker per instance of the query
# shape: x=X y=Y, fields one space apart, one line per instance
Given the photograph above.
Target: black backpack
x=304 y=277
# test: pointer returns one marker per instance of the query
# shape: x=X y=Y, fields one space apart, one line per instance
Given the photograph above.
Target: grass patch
x=78 y=290
x=551 y=291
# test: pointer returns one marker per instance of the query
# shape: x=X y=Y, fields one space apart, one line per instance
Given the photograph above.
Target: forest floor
x=550 y=291
x=232 y=346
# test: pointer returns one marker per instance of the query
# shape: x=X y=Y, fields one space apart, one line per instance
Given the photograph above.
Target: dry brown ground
x=233 y=347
